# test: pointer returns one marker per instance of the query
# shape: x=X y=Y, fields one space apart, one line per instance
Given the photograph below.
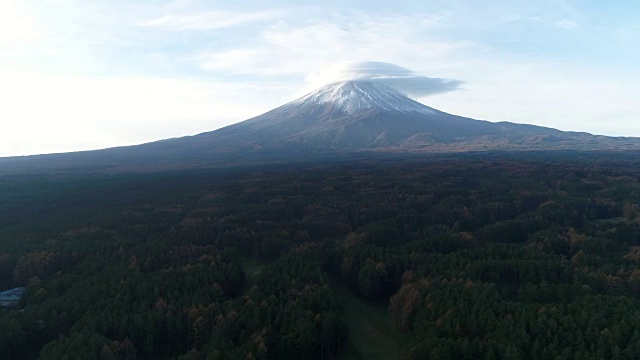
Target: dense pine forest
x=489 y=256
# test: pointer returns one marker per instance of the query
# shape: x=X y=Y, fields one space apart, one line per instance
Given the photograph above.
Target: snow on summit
x=357 y=96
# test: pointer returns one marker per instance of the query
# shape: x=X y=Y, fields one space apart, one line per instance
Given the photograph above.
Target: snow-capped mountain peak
x=366 y=114
x=356 y=96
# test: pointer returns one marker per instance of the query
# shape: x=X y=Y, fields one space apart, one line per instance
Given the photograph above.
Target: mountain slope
x=339 y=118
x=362 y=115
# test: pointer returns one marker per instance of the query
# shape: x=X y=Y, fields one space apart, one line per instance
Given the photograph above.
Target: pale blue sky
x=81 y=74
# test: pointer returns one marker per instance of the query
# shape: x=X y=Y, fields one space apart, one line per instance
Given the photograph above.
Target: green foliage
x=496 y=258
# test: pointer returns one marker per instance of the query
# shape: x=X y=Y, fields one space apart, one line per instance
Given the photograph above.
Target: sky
x=89 y=74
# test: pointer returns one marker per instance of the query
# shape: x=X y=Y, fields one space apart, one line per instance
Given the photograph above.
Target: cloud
x=566 y=24
x=291 y=48
x=210 y=20
x=395 y=76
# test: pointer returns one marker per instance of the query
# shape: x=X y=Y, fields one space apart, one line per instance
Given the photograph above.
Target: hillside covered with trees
x=491 y=256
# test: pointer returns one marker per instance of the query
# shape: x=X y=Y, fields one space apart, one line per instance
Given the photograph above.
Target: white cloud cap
x=397 y=77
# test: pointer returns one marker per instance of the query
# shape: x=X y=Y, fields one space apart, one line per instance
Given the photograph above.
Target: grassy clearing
x=252 y=269
x=371 y=334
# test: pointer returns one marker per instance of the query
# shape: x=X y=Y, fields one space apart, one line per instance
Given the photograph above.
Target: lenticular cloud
x=397 y=77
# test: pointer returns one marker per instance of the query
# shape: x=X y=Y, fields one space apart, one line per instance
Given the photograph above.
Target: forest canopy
x=499 y=256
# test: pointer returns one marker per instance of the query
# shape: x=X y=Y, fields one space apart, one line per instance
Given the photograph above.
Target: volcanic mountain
x=355 y=115
x=340 y=118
